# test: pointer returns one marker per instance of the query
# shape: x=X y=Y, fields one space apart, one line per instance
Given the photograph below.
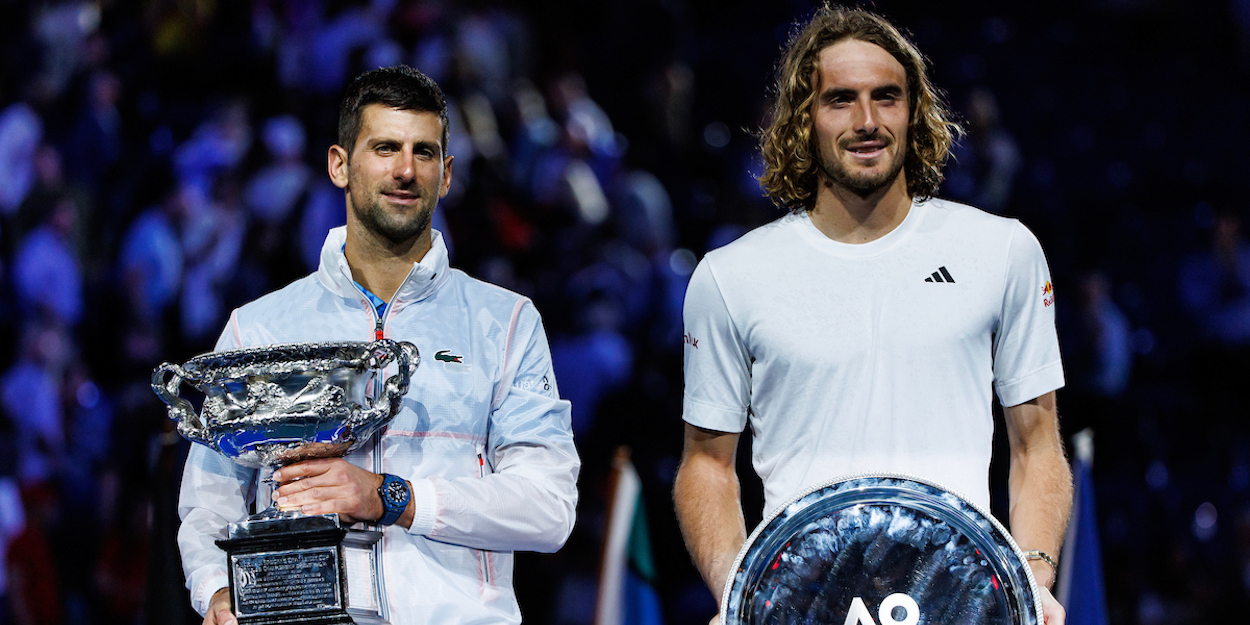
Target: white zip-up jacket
x=482 y=435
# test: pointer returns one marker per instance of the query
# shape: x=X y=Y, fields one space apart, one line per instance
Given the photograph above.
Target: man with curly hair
x=864 y=330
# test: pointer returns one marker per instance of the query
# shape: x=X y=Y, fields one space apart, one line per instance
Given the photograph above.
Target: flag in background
x=1080 y=588
x=627 y=569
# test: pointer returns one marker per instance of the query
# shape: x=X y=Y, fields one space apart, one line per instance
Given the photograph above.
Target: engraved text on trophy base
x=286 y=581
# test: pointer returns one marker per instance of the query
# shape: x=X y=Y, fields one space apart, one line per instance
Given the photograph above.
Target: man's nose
x=867 y=123
x=405 y=167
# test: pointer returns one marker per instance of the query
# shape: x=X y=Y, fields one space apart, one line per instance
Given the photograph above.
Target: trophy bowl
x=881 y=549
x=275 y=405
x=266 y=407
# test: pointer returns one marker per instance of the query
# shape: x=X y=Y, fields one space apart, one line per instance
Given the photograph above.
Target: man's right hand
x=219 y=612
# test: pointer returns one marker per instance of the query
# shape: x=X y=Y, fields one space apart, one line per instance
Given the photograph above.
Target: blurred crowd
x=162 y=162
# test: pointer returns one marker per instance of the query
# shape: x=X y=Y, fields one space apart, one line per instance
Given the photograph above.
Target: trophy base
x=303 y=569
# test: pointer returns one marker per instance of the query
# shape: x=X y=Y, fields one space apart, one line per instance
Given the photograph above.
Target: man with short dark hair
x=482 y=442
x=863 y=331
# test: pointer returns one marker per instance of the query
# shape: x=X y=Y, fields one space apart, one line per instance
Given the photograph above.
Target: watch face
x=396 y=492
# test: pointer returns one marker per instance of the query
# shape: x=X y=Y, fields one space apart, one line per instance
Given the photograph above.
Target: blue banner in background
x=1080 y=588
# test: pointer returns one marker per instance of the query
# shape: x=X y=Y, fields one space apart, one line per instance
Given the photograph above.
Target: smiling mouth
x=866 y=153
x=872 y=148
x=401 y=196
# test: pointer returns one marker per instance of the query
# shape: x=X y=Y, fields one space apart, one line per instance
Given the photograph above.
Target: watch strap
x=393 y=506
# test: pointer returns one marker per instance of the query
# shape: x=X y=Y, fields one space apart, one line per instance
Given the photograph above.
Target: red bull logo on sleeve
x=1048 y=294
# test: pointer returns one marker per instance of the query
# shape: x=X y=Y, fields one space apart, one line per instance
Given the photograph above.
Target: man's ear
x=446 y=185
x=337 y=166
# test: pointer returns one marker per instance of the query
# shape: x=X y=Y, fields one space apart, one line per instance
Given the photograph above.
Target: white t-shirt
x=876 y=357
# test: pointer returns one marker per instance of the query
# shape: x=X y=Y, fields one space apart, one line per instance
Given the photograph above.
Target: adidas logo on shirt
x=941 y=275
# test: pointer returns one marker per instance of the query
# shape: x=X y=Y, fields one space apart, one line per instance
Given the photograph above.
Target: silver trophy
x=268 y=407
x=884 y=550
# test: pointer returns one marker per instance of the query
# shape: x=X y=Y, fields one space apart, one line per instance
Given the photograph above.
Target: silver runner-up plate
x=880 y=550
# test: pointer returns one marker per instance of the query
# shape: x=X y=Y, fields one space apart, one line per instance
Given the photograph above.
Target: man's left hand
x=1052 y=612
x=330 y=485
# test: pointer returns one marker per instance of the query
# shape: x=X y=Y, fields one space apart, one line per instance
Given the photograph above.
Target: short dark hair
x=400 y=87
x=787 y=144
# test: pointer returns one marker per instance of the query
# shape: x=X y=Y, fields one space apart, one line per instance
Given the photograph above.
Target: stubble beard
x=395 y=227
x=862 y=185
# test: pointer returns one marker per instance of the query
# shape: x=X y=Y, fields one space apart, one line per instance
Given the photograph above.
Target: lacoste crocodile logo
x=447 y=356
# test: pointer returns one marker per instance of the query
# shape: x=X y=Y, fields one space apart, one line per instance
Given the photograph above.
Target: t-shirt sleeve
x=717 y=365
x=1026 y=346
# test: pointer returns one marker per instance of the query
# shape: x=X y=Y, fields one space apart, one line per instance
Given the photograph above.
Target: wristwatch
x=395 y=496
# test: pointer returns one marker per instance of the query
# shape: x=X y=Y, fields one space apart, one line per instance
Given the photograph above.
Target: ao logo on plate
x=859 y=614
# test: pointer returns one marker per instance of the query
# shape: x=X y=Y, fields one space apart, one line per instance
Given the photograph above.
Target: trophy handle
x=409 y=357
x=180 y=410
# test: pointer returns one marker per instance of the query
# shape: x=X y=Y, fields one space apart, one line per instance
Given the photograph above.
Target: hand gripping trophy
x=272 y=406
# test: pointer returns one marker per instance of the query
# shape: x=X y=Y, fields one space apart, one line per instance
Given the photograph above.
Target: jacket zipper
x=482 y=553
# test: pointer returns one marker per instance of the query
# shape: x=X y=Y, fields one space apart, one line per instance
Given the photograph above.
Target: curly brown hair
x=787 y=144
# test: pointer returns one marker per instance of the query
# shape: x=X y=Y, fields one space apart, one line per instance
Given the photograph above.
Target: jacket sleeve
x=527 y=499
x=214 y=493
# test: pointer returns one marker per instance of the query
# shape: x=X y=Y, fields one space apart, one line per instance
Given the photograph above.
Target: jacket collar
x=423 y=280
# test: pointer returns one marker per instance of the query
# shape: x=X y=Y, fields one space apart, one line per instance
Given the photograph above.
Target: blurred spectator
x=1215 y=291
x=480 y=126
x=52 y=191
x=46 y=273
x=986 y=162
x=278 y=187
x=31 y=394
x=536 y=132
x=597 y=359
x=212 y=240
x=644 y=213
x=21 y=130
x=290 y=37
x=89 y=417
x=572 y=175
x=273 y=198
x=1100 y=354
x=63 y=28
x=322 y=211
x=96 y=142
x=218 y=145
x=1215 y=284
x=490 y=48
x=151 y=260
x=337 y=37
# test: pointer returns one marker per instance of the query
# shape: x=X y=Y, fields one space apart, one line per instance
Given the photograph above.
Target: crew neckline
x=878 y=246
